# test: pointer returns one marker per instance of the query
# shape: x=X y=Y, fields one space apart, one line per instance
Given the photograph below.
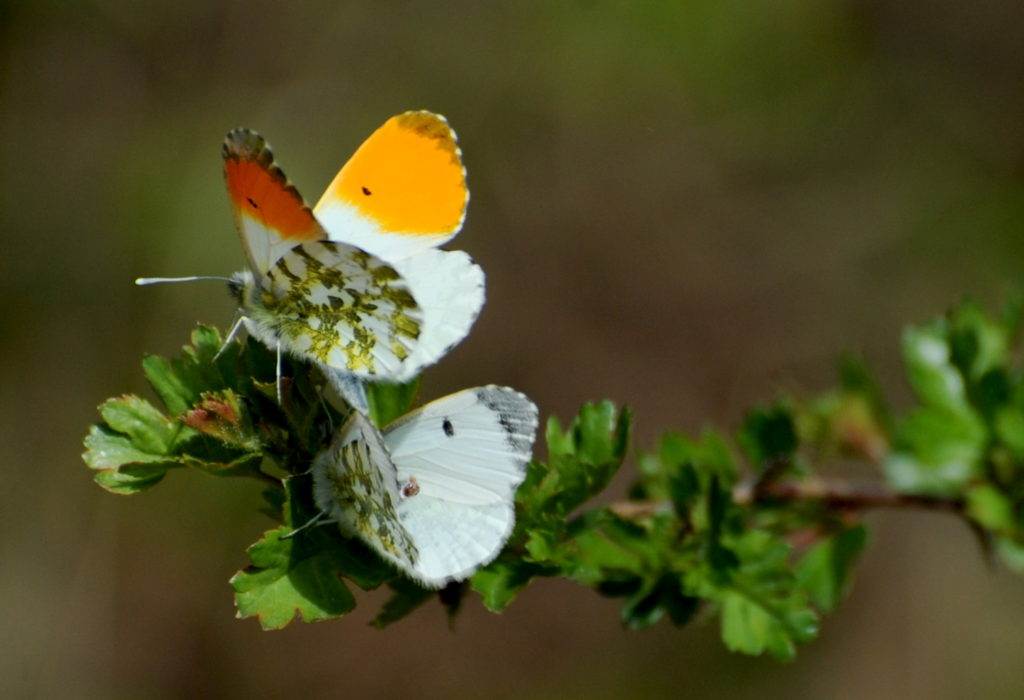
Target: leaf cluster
x=748 y=529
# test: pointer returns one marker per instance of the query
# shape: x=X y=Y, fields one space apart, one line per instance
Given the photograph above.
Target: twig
x=832 y=494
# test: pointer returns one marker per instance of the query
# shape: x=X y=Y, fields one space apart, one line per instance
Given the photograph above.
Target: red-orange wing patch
x=270 y=214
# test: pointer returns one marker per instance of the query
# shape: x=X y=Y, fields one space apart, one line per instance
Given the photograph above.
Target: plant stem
x=845 y=496
x=837 y=495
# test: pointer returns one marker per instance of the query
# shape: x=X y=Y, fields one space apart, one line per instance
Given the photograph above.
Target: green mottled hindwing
x=341 y=307
x=356 y=484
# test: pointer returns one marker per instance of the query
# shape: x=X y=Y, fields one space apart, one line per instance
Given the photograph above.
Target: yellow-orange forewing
x=403 y=191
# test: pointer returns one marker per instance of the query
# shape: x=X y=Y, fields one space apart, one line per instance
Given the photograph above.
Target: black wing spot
x=366 y=191
x=254 y=204
x=448 y=428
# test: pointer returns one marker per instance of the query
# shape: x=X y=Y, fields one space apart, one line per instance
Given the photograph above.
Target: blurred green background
x=683 y=206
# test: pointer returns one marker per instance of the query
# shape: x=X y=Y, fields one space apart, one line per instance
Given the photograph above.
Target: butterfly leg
x=315 y=520
x=278 y=381
x=236 y=326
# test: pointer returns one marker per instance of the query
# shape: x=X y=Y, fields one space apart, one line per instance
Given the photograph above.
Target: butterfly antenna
x=143 y=281
x=315 y=520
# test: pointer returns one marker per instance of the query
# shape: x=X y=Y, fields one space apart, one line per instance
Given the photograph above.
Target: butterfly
x=433 y=492
x=401 y=195
x=318 y=285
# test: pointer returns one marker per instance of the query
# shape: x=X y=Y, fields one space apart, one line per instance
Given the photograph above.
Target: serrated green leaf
x=581 y=462
x=991 y=508
x=650 y=604
x=1009 y=428
x=856 y=378
x=978 y=344
x=600 y=545
x=288 y=580
x=940 y=451
x=129 y=480
x=752 y=627
x=246 y=464
x=500 y=582
x=1012 y=553
x=180 y=382
x=768 y=434
x=824 y=571
x=176 y=390
x=107 y=449
x=936 y=380
x=148 y=429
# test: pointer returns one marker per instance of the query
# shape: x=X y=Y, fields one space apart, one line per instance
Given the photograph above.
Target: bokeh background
x=684 y=206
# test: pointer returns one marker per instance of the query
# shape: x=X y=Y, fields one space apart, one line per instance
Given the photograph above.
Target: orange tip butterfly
x=356 y=285
x=433 y=493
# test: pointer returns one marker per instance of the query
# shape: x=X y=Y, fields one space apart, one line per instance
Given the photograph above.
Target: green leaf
x=388 y=402
x=762 y=607
x=180 y=382
x=1012 y=553
x=131 y=451
x=754 y=627
x=148 y=430
x=287 y=579
x=768 y=434
x=581 y=461
x=936 y=380
x=991 y=508
x=107 y=449
x=824 y=571
x=978 y=344
x=500 y=581
x=653 y=601
x=1009 y=428
x=857 y=379
x=939 y=451
x=130 y=479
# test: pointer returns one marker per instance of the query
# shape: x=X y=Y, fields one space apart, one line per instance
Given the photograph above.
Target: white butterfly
x=433 y=493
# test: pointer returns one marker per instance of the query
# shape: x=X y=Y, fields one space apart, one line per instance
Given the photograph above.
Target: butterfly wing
x=270 y=214
x=338 y=306
x=403 y=191
x=449 y=287
x=355 y=483
x=465 y=453
x=470 y=447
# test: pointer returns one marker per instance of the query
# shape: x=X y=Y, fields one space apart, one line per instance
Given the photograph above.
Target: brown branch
x=847 y=496
x=831 y=494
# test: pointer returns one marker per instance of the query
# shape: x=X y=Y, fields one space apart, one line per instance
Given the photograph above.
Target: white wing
x=470 y=447
x=449 y=288
x=466 y=454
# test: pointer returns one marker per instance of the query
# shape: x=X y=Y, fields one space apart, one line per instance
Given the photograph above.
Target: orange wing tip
x=432 y=126
x=246 y=144
x=260 y=189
